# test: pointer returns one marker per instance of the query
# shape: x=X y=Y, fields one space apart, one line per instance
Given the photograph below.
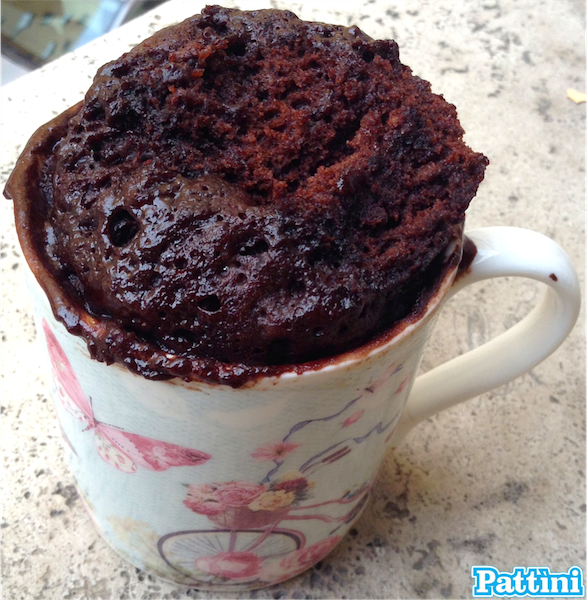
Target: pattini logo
x=535 y=582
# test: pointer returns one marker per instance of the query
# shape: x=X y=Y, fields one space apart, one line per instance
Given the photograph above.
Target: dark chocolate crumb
x=267 y=171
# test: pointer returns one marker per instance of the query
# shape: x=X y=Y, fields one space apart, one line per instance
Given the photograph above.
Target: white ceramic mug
x=232 y=489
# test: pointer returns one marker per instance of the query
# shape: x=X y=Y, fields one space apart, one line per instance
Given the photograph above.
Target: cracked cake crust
x=248 y=189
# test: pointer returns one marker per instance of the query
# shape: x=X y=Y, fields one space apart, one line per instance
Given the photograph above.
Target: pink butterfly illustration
x=120 y=449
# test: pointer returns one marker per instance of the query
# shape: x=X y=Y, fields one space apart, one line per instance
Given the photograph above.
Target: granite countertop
x=498 y=480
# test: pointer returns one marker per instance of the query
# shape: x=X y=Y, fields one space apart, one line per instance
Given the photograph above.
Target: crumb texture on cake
x=254 y=189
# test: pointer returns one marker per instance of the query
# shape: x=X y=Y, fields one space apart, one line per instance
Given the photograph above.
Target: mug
x=225 y=488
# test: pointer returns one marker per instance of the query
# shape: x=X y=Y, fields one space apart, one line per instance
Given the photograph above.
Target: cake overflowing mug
x=237 y=488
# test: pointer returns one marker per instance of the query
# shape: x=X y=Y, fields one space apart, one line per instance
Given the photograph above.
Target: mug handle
x=502 y=251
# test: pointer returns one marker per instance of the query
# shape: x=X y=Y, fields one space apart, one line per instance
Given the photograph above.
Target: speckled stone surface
x=498 y=480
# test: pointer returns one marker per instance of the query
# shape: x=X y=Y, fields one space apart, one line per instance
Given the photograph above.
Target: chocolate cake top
x=249 y=189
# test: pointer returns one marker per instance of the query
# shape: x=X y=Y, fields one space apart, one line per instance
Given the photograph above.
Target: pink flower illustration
x=245 y=518
x=201 y=493
x=216 y=498
x=354 y=418
x=247 y=505
x=298 y=561
x=202 y=499
x=230 y=565
x=274 y=451
x=238 y=493
x=272 y=571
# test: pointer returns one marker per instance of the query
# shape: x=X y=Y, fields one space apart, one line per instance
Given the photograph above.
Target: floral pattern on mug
x=306 y=557
x=230 y=565
x=120 y=449
x=245 y=505
x=257 y=509
x=215 y=498
x=272 y=500
x=247 y=566
x=274 y=451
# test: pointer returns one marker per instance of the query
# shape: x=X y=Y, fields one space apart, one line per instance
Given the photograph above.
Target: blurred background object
x=35 y=32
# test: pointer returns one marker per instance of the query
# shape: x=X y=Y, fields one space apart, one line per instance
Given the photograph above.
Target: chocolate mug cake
x=244 y=192
x=251 y=200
